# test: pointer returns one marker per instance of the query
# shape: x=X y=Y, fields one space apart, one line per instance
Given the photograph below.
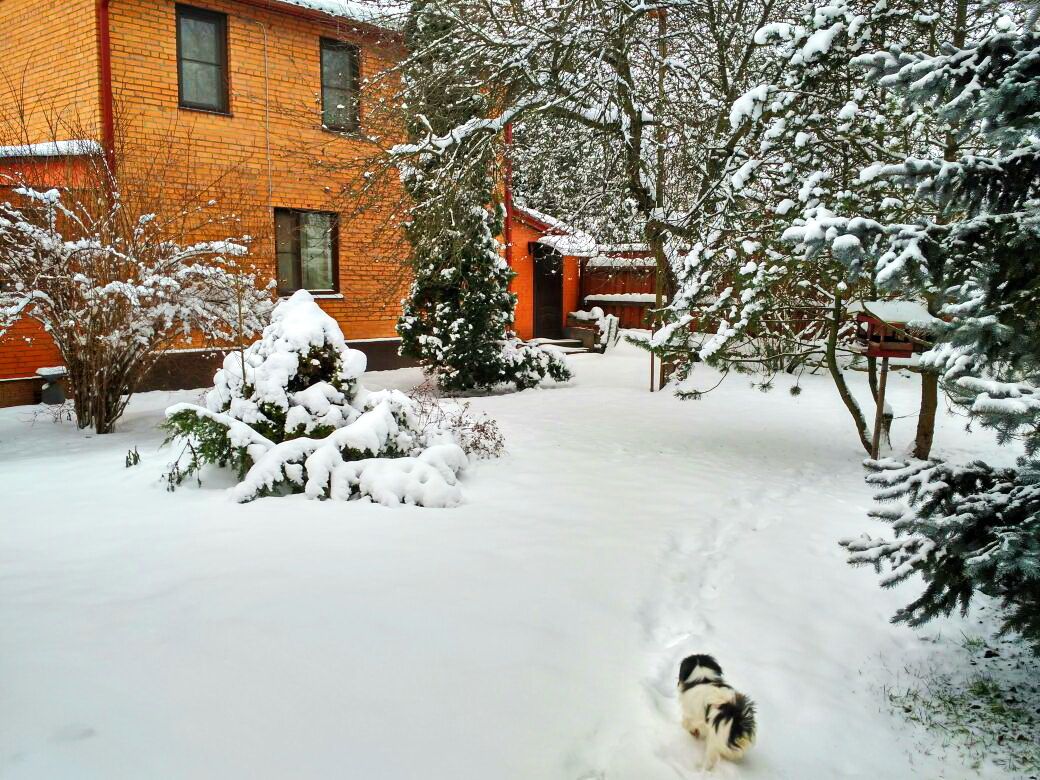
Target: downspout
x=108 y=123
x=267 y=111
x=509 y=195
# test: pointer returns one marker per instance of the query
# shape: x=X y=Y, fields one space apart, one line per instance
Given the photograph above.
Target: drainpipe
x=509 y=195
x=108 y=123
x=267 y=111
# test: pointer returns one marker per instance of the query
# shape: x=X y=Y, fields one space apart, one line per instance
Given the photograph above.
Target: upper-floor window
x=202 y=59
x=306 y=246
x=339 y=85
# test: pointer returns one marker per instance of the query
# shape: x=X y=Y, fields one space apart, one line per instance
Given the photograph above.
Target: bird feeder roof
x=902 y=312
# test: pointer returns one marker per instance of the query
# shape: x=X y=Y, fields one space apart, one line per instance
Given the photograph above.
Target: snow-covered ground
x=534 y=632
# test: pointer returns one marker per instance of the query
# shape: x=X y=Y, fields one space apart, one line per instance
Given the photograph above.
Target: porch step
x=567 y=346
x=562 y=343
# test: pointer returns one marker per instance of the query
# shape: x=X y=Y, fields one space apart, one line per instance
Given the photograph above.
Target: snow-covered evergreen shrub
x=289 y=415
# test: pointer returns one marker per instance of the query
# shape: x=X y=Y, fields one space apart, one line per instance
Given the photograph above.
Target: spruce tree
x=457 y=319
x=972 y=528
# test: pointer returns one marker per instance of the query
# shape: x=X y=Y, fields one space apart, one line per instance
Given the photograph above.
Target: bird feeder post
x=885 y=329
x=879 y=417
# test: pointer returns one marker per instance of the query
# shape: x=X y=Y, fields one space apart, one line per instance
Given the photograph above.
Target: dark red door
x=548 y=292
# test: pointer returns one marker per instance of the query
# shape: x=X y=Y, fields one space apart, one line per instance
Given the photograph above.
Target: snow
x=749 y=105
x=69 y=148
x=820 y=42
x=621 y=298
x=337 y=438
x=52 y=372
x=606 y=261
x=779 y=30
x=610 y=249
x=297 y=324
x=894 y=311
x=573 y=246
x=563 y=237
x=532 y=632
x=381 y=13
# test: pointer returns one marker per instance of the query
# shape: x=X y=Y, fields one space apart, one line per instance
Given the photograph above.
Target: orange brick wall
x=571 y=285
x=25 y=348
x=523 y=284
x=372 y=279
x=48 y=64
x=48 y=69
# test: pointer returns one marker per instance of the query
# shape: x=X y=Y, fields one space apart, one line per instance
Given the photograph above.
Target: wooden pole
x=660 y=139
x=879 y=418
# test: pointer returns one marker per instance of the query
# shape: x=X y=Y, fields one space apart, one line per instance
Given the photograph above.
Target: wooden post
x=660 y=139
x=879 y=418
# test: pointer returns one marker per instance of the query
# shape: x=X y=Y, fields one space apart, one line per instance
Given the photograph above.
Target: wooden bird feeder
x=884 y=330
x=882 y=340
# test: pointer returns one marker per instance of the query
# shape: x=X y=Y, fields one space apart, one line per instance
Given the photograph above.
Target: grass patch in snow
x=983 y=705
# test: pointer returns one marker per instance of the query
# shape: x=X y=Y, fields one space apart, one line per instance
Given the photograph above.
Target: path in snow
x=532 y=633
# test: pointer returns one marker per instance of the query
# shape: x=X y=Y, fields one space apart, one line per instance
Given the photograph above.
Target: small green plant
x=133 y=457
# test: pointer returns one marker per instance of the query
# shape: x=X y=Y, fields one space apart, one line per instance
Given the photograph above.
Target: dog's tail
x=740 y=712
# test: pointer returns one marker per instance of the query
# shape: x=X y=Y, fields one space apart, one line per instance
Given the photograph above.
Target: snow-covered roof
x=609 y=261
x=609 y=249
x=565 y=239
x=894 y=311
x=622 y=298
x=379 y=13
x=582 y=245
x=69 y=148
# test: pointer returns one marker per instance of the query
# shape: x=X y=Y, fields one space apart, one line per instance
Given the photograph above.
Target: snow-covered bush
x=289 y=415
x=477 y=434
x=116 y=289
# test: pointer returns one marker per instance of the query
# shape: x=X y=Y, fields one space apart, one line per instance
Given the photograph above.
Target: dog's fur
x=713 y=710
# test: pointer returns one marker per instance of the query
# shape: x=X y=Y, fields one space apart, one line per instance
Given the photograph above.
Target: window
x=202 y=59
x=306 y=245
x=339 y=85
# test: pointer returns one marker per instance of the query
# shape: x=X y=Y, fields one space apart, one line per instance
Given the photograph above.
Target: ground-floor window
x=306 y=244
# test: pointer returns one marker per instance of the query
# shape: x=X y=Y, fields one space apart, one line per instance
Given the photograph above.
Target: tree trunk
x=96 y=397
x=926 y=417
x=839 y=378
x=81 y=405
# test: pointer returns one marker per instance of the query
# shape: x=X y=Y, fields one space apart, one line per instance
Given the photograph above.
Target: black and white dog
x=713 y=710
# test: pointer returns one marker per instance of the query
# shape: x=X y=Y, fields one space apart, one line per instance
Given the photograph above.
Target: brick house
x=263 y=95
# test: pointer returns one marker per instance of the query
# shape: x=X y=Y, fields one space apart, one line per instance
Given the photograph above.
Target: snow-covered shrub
x=477 y=434
x=116 y=290
x=289 y=415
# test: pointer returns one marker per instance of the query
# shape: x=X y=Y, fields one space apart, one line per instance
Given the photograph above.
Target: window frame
x=355 y=52
x=221 y=19
x=298 y=253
